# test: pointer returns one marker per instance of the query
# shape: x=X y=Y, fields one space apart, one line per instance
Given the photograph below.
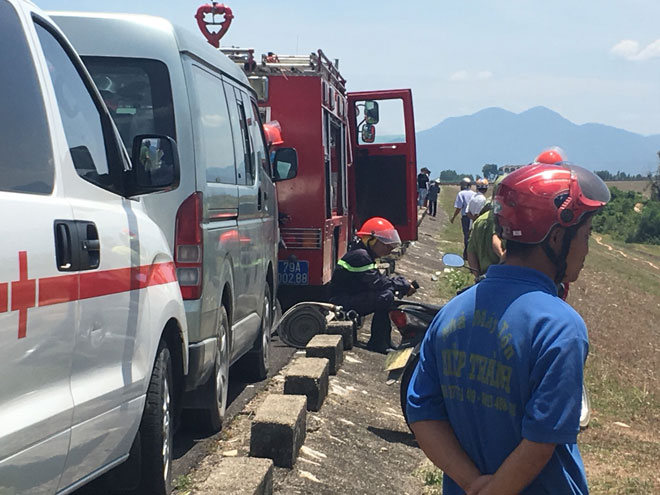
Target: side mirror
x=155 y=164
x=368 y=133
x=285 y=164
x=453 y=260
x=371 y=111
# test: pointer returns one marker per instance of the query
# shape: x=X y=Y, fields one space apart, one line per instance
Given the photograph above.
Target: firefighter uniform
x=357 y=284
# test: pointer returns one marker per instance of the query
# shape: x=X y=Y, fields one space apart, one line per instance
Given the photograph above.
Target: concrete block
x=309 y=377
x=239 y=476
x=279 y=428
x=343 y=328
x=330 y=347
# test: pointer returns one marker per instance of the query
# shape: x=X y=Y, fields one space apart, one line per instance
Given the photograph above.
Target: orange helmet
x=482 y=185
x=273 y=132
x=551 y=156
x=381 y=229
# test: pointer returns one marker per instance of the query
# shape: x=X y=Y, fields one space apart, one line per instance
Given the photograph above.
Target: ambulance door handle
x=63 y=244
x=259 y=194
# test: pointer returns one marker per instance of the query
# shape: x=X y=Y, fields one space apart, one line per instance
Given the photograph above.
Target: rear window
x=26 y=154
x=138 y=94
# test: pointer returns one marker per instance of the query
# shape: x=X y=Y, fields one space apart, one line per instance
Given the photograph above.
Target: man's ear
x=556 y=237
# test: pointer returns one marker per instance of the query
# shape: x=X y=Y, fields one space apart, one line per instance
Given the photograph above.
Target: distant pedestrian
x=462 y=200
x=476 y=204
x=432 y=197
x=422 y=186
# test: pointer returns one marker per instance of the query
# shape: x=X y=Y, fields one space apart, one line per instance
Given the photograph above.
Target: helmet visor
x=592 y=190
x=389 y=237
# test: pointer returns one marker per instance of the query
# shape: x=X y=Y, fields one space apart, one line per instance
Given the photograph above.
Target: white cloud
x=461 y=75
x=630 y=50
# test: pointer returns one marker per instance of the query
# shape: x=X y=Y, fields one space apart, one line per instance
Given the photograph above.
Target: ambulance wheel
x=156 y=428
x=405 y=381
x=257 y=361
x=215 y=389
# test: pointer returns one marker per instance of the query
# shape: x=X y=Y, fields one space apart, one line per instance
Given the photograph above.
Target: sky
x=591 y=61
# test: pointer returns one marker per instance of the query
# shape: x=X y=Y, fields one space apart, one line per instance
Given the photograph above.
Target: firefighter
x=357 y=283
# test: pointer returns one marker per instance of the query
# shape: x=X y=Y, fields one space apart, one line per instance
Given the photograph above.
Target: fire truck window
x=137 y=93
x=245 y=134
x=215 y=135
x=27 y=163
x=80 y=116
x=391 y=122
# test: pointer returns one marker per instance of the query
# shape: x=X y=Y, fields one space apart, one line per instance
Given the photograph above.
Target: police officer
x=357 y=283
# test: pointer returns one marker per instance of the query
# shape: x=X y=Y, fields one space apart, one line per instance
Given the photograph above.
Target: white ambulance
x=93 y=338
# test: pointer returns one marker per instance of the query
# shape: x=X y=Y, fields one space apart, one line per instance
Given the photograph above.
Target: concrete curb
x=239 y=476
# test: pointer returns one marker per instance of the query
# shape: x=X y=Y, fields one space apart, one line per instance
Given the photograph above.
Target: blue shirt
x=501 y=362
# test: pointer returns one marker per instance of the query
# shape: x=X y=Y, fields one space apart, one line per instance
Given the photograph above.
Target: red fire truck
x=347 y=170
x=356 y=159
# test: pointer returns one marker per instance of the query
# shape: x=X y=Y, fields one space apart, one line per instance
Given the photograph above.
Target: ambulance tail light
x=188 y=246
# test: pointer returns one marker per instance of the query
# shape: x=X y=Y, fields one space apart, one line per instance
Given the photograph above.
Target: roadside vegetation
x=618 y=295
x=630 y=217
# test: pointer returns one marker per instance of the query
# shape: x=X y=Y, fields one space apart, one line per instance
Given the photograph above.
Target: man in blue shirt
x=495 y=400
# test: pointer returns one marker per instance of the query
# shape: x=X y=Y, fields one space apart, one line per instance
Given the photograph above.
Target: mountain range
x=495 y=135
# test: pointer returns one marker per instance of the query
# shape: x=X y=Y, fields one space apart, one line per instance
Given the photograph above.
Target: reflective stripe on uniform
x=358 y=269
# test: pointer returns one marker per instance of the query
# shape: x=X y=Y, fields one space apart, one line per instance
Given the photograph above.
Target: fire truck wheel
x=156 y=428
x=215 y=389
x=258 y=359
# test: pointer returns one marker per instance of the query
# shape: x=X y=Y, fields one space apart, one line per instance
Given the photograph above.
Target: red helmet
x=273 y=132
x=551 y=156
x=533 y=199
x=381 y=229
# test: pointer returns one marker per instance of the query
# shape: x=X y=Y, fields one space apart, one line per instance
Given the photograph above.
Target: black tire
x=156 y=428
x=405 y=381
x=214 y=391
x=257 y=361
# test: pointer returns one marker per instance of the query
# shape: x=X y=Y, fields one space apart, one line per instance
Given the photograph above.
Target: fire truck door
x=382 y=179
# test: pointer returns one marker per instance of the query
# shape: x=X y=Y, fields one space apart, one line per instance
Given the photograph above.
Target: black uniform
x=357 y=284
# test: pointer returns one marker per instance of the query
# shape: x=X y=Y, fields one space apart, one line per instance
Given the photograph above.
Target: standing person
x=485 y=247
x=422 y=186
x=478 y=201
x=358 y=285
x=495 y=400
x=432 y=197
x=462 y=200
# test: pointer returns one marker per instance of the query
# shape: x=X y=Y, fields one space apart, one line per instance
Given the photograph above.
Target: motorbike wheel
x=405 y=381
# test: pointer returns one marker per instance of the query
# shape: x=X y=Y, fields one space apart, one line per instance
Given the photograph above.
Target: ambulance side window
x=26 y=163
x=80 y=116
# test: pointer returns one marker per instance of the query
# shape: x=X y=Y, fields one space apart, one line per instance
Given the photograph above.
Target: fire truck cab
x=344 y=176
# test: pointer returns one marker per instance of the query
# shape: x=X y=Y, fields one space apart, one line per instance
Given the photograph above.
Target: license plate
x=397 y=359
x=293 y=272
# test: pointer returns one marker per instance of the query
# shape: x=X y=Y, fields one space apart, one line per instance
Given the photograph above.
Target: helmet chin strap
x=559 y=260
